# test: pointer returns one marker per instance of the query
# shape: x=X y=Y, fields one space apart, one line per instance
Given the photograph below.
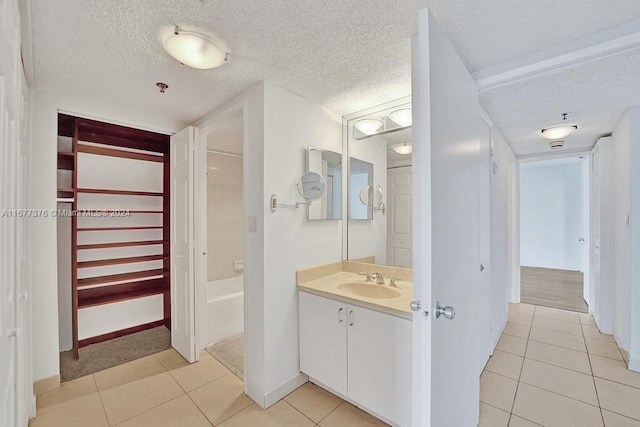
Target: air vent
x=556 y=144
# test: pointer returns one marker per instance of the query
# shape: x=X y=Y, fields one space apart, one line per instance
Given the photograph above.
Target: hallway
x=554 y=368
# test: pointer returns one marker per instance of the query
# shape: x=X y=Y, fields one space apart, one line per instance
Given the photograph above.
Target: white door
x=447 y=163
x=399 y=252
x=594 y=207
x=183 y=337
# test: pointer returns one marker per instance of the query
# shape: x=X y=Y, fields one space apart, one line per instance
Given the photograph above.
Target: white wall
x=502 y=158
x=42 y=191
x=291 y=242
x=551 y=214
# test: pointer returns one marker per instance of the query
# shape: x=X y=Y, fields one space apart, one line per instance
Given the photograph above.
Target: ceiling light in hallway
x=403 y=148
x=194 y=49
x=560 y=131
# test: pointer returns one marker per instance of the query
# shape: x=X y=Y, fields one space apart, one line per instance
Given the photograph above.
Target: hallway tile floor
x=164 y=390
x=553 y=368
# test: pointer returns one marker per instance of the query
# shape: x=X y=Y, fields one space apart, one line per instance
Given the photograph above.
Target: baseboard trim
x=46 y=384
x=120 y=333
x=279 y=392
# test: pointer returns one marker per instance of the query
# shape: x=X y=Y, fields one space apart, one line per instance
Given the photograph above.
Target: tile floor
x=554 y=368
x=551 y=368
x=164 y=390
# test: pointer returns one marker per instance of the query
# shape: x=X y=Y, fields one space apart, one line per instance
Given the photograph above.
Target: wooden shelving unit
x=88 y=287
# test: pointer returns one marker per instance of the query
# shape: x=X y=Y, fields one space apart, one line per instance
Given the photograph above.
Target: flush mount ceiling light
x=403 y=148
x=194 y=49
x=557 y=132
x=368 y=125
x=401 y=117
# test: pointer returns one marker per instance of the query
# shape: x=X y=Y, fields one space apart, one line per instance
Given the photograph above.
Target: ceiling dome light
x=557 y=132
x=368 y=126
x=401 y=117
x=403 y=148
x=194 y=49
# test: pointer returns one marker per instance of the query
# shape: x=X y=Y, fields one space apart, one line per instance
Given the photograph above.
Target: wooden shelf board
x=118 y=261
x=122 y=244
x=118 y=297
x=154 y=227
x=65 y=160
x=120 y=192
x=99 y=280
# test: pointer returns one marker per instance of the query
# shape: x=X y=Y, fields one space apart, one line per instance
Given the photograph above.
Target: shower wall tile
x=224 y=215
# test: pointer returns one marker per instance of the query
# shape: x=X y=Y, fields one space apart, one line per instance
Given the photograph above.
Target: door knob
x=415 y=305
x=448 y=312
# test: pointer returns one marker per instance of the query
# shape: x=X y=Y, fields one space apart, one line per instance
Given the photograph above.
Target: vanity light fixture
x=401 y=117
x=557 y=132
x=194 y=49
x=402 y=148
x=368 y=125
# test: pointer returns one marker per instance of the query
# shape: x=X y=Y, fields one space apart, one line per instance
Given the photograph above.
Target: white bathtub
x=225 y=308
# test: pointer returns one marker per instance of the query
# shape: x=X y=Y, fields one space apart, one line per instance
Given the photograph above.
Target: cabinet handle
x=350 y=317
x=340 y=315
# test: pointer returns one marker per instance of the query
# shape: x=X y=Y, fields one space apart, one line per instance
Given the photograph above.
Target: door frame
x=514 y=219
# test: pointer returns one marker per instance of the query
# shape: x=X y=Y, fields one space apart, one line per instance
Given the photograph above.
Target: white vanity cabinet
x=361 y=353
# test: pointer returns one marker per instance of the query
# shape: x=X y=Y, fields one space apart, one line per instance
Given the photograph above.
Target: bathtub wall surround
x=225 y=212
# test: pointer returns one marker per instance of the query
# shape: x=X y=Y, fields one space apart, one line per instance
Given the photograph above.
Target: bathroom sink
x=369 y=290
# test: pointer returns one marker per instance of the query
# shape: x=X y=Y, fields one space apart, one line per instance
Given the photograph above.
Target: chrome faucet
x=378 y=277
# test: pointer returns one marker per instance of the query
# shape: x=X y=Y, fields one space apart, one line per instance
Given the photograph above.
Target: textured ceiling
x=596 y=94
x=346 y=55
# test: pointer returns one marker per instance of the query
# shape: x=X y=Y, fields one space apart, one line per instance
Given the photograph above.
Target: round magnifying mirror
x=366 y=195
x=379 y=195
x=311 y=185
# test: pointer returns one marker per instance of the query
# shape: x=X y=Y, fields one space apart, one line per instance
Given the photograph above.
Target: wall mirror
x=328 y=165
x=379 y=148
x=360 y=189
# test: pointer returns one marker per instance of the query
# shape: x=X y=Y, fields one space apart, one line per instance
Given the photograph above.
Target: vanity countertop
x=329 y=286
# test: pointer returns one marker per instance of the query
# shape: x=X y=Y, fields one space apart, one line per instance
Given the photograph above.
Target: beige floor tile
x=171 y=359
x=619 y=398
x=603 y=348
x=81 y=412
x=505 y=364
x=492 y=417
x=586 y=319
x=512 y=344
x=522 y=308
x=559 y=356
x=616 y=420
x=614 y=370
x=522 y=318
x=517 y=330
x=560 y=339
x=557 y=314
x=221 y=398
x=132 y=371
x=593 y=332
x=521 y=422
x=279 y=415
x=131 y=399
x=179 y=412
x=552 y=410
x=313 y=401
x=199 y=373
x=560 y=380
x=67 y=391
x=497 y=390
x=348 y=415
x=557 y=325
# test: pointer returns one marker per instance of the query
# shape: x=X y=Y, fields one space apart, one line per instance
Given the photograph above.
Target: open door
x=449 y=165
x=183 y=337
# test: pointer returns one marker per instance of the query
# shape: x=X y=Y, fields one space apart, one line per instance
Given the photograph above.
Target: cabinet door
x=379 y=360
x=323 y=340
